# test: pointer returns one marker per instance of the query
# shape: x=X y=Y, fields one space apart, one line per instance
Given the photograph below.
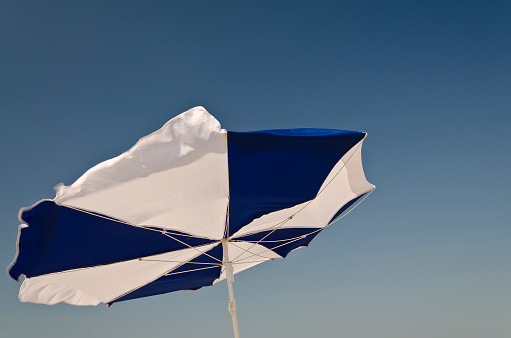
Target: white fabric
x=91 y=286
x=344 y=182
x=161 y=180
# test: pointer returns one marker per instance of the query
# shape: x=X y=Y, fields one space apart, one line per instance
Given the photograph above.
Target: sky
x=427 y=254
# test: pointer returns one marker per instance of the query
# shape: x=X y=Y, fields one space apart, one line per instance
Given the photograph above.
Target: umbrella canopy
x=183 y=208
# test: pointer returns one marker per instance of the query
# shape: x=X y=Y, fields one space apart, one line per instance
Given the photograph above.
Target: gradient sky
x=428 y=254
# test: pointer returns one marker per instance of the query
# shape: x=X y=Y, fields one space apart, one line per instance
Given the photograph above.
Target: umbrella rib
x=146 y=227
x=191 y=247
x=269 y=259
x=278 y=246
x=169 y=231
x=253 y=254
x=163 y=231
x=139 y=259
x=289 y=240
x=161 y=275
x=278 y=225
x=177 y=273
x=276 y=240
x=165 y=261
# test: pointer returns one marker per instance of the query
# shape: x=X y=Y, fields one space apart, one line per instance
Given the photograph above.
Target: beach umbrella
x=186 y=207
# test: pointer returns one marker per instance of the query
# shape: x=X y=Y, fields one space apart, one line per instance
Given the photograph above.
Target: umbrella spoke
x=174 y=268
x=254 y=262
x=292 y=240
x=166 y=234
x=147 y=227
x=183 y=262
x=253 y=254
x=176 y=273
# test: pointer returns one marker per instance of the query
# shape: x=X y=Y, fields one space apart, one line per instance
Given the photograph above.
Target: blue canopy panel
x=193 y=275
x=282 y=241
x=277 y=169
x=59 y=238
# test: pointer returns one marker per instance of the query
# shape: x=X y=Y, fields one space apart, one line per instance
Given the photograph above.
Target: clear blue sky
x=428 y=254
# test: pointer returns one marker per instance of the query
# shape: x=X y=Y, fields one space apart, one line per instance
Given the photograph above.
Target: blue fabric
x=276 y=169
x=192 y=280
x=282 y=241
x=59 y=238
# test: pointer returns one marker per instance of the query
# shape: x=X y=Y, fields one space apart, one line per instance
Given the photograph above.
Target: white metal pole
x=230 y=279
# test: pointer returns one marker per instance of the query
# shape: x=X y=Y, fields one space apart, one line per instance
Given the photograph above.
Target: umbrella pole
x=230 y=279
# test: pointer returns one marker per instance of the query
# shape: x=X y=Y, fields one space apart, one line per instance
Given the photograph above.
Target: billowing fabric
x=150 y=220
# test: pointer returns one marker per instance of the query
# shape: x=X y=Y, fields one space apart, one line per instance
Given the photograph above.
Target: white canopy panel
x=174 y=178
